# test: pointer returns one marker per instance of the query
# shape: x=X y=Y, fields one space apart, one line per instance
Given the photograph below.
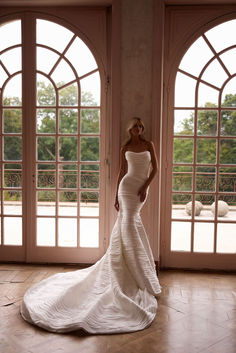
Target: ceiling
x=104 y=2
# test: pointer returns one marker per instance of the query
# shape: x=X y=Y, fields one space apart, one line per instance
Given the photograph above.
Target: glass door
x=62 y=143
x=67 y=163
x=11 y=156
x=203 y=215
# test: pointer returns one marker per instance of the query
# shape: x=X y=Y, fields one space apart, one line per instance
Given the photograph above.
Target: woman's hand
x=142 y=192
x=117 y=207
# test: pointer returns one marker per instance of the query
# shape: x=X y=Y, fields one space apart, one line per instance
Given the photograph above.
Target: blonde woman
x=136 y=142
x=119 y=292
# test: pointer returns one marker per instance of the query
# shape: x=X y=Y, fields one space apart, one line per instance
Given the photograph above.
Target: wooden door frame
x=183 y=25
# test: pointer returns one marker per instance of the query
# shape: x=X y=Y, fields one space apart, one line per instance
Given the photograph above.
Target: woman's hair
x=129 y=126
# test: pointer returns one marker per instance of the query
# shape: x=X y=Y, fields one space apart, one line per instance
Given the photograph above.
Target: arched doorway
x=52 y=99
x=201 y=207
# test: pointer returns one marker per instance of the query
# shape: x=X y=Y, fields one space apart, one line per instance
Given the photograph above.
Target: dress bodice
x=138 y=164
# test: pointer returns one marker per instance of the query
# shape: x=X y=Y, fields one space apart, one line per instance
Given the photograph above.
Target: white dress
x=117 y=293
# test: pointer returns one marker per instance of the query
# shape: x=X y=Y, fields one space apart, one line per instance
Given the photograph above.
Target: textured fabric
x=116 y=294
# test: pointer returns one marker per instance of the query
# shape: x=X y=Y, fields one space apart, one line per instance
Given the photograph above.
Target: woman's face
x=137 y=129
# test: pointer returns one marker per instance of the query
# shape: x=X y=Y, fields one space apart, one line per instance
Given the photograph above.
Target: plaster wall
x=136 y=61
x=137 y=22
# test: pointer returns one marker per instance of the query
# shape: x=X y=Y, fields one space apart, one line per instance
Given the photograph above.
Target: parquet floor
x=196 y=313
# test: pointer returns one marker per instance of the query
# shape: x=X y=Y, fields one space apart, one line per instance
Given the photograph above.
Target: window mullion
x=29 y=99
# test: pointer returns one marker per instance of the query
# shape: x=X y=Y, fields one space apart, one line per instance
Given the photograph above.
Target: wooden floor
x=196 y=313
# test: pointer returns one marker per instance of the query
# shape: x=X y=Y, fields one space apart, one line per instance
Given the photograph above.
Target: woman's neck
x=135 y=140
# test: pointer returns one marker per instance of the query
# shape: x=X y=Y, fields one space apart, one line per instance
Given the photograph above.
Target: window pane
x=46 y=232
x=90 y=119
x=229 y=59
x=10 y=34
x=13 y=202
x=12 y=120
x=11 y=59
x=46 y=94
x=206 y=200
x=46 y=204
x=67 y=232
x=203 y=237
x=90 y=148
x=52 y=35
x=63 y=74
x=210 y=76
x=90 y=90
x=192 y=62
x=68 y=96
x=228 y=94
x=227 y=179
x=12 y=148
x=222 y=36
x=46 y=148
x=228 y=123
x=182 y=178
x=67 y=203
x=184 y=91
x=89 y=233
x=206 y=151
x=180 y=236
x=207 y=122
x=205 y=178
x=45 y=59
x=12 y=94
x=184 y=122
x=183 y=150
x=12 y=175
x=3 y=76
x=226 y=240
x=68 y=148
x=46 y=175
x=12 y=231
x=89 y=204
x=227 y=151
x=181 y=208
x=89 y=177
x=81 y=57
x=46 y=121
x=68 y=175
x=68 y=121
x=226 y=208
x=207 y=96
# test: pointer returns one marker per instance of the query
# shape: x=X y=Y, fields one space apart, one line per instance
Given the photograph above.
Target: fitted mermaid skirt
x=117 y=293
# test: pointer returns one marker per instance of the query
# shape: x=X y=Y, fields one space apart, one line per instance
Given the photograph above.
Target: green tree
x=68 y=121
x=207 y=121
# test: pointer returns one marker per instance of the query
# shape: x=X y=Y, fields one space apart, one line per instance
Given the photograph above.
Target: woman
x=117 y=293
x=135 y=142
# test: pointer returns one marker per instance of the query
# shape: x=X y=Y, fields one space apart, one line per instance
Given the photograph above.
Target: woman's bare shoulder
x=123 y=149
x=150 y=144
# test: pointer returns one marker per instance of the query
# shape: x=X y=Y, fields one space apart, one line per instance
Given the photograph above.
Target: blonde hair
x=129 y=126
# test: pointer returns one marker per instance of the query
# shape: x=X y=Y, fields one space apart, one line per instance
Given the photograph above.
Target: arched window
x=204 y=146
x=53 y=138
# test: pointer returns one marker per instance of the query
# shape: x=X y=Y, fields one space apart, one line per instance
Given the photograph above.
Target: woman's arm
x=122 y=172
x=143 y=189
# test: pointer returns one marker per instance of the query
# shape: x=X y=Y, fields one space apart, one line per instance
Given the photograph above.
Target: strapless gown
x=117 y=293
